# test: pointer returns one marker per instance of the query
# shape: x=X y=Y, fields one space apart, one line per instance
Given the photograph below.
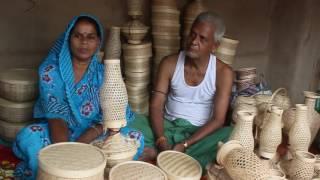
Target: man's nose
x=194 y=39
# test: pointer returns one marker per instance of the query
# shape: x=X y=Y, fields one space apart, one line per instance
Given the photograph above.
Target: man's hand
x=163 y=146
x=179 y=147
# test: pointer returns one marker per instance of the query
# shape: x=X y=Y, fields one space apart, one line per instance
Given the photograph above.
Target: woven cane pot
x=169 y=41
x=179 y=166
x=170 y=4
x=243 y=107
x=227 y=50
x=271 y=134
x=240 y=163
x=135 y=7
x=302 y=166
x=317 y=166
x=244 y=100
x=113 y=44
x=313 y=115
x=280 y=98
x=136 y=170
x=65 y=161
x=165 y=28
x=245 y=83
x=8 y=131
x=299 y=134
x=134 y=31
x=113 y=96
x=15 y=112
x=143 y=50
x=19 y=85
x=139 y=65
x=246 y=73
x=160 y=13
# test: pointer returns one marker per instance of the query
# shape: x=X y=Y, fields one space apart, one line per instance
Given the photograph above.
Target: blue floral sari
x=60 y=98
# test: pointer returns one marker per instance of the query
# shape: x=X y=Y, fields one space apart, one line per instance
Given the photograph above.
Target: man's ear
x=215 y=46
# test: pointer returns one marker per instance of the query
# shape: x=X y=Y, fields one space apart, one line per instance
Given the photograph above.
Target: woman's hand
x=179 y=147
x=91 y=133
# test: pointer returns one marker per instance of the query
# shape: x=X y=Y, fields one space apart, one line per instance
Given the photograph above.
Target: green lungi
x=177 y=131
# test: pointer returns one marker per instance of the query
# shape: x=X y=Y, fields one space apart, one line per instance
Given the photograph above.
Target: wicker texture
x=245 y=100
x=243 y=107
x=227 y=50
x=165 y=13
x=172 y=4
x=299 y=134
x=19 y=85
x=113 y=44
x=245 y=83
x=216 y=172
x=276 y=175
x=135 y=7
x=135 y=170
x=8 y=131
x=271 y=134
x=15 y=112
x=317 y=166
x=179 y=166
x=262 y=98
x=113 y=96
x=134 y=31
x=240 y=163
x=71 y=161
x=165 y=28
x=313 y=115
x=169 y=41
x=139 y=65
x=302 y=166
x=288 y=119
x=137 y=51
x=242 y=131
x=246 y=73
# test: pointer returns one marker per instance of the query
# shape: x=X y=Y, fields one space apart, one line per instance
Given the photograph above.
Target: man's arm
x=221 y=102
x=159 y=96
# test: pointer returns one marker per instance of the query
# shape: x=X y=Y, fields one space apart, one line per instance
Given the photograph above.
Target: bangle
x=96 y=129
x=160 y=140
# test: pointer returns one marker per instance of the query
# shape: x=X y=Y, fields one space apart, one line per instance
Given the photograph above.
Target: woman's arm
x=58 y=129
x=91 y=133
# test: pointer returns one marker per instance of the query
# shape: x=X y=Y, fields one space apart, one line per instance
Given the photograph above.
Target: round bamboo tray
x=164 y=13
x=170 y=4
x=179 y=166
x=169 y=41
x=19 y=85
x=139 y=65
x=246 y=73
x=15 y=112
x=143 y=50
x=165 y=28
x=65 y=161
x=8 y=131
x=136 y=170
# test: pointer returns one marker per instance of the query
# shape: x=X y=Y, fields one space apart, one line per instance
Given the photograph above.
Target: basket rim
x=136 y=46
x=10 y=104
x=230 y=40
x=10 y=72
x=164 y=9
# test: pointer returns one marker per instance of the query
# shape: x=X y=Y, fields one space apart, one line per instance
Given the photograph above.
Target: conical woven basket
x=136 y=170
x=19 y=85
x=15 y=112
x=8 y=131
x=65 y=161
x=179 y=166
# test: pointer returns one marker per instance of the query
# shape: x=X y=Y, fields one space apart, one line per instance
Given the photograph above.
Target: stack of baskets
x=246 y=77
x=18 y=90
x=165 y=30
x=137 y=60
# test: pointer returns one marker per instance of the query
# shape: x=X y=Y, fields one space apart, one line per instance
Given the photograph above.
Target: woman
x=69 y=81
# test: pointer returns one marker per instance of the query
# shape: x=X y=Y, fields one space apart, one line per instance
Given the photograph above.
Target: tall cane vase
x=313 y=115
x=113 y=44
x=271 y=134
x=113 y=96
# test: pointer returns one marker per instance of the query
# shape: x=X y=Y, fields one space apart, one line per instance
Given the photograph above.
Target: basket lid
x=19 y=76
x=72 y=160
x=6 y=103
x=179 y=165
x=132 y=170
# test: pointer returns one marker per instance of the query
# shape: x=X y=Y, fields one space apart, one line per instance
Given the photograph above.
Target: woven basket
x=276 y=175
x=246 y=73
x=194 y=9
x=227 y=50
x=162 y=51
x=19 y=85
x=302 y=166
x=170 y=4
x=313 y=115
x=262 y=98
x=245 y=83
x=244 y=108
x=136 y=170
x=65 y=161
x=139 y=65
x=165 y=28
x=134 y=31
x=8 y=131
x=141 y=108
x=169 y=41
x=317 y=166
x=137 y=90
x=244 y=100
x=179 y=166
x=15 y=112
x=138 y=78
x=137 y=51
x=216 y=172
x=113 y=44
x=135 y=7
x=160 y=13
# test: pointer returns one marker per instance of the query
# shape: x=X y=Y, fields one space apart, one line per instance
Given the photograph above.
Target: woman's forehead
x=85 y=27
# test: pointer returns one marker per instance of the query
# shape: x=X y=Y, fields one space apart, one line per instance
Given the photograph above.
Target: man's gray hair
x=215 y=20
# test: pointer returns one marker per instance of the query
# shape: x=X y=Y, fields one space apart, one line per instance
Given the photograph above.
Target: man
x=191 y=97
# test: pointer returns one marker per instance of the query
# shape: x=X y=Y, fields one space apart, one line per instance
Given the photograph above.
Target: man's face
x=200 y=41
x=84 y=41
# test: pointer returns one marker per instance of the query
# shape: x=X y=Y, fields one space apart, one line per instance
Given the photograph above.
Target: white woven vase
x=240 y=163
x=302 y=166
x=242 y=131
x=113 y=96
x=313 y=115
x=299 y=134
x=271 y=134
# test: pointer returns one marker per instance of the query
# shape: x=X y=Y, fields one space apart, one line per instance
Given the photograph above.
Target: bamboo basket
x=245 y=83
x=15 y=112
x=19 y=85
x=137 y=90
x=288 y=118
x=246 y=73
x=138 y=78
x=135 y=7
x=302 y=166
x=169 y=41
x=139 y=65
x=227 y=50
x=217 y=172
x=8 y=131
x=165 y=28
x=113 y=44
x=179 y=166
x=262 y=98
x=134 y=31
x=317 y=166
x=313 y=115
x=65 y=161
x=244 y=100
x=136 y=170
x=172 y=4
x=165 y=13
x=143 y=50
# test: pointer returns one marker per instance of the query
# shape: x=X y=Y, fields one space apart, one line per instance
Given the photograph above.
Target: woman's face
x=84 y=41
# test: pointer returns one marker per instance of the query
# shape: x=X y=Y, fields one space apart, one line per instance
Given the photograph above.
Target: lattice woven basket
x=179 y=166
x=65 y=161
x=19 y=85
x=113 y=44
x=139 y=65
x=302 y=166
x=136 y=170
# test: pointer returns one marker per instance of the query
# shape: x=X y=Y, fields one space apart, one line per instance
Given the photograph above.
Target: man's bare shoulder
x=224 y=70
x=170 y=60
